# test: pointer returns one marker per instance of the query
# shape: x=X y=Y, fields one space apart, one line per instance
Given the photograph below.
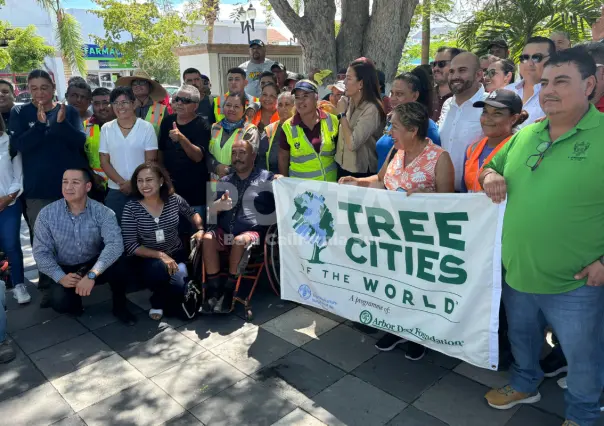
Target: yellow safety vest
x=93 y=143
x=304 y=161
x=155 y=115
x=223 y=154
x=271 y=131
x=220 y=100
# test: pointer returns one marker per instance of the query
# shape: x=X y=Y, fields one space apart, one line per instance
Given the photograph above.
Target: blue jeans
x=116 y=200
x=10 y=240
x=577 y=318
x=2 y=312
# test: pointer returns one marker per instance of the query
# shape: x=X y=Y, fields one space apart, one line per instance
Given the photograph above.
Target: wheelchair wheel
x=271 y=256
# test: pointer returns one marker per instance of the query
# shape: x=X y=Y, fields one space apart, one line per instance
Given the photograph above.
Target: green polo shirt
x=554 y=219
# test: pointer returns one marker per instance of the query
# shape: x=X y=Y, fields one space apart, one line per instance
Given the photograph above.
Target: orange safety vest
x=220 y=100
x=258 y=117
x=472 y=171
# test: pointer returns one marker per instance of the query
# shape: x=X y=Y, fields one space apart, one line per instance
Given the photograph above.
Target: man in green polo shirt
x=553 y=238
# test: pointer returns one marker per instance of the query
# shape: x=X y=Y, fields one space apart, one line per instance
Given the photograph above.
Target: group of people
x=114 y=194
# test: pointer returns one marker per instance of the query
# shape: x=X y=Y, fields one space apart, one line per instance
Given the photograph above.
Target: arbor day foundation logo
x=313 y=221
x=365 y=317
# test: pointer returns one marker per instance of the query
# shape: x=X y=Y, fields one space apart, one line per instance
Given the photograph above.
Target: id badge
x=159 y=236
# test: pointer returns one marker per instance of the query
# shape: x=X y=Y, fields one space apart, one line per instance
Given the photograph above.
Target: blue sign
x=93 y=51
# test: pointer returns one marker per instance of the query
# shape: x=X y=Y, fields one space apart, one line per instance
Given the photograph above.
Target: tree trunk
x=380 y=36
x=211 y=33
x=315 y=254
x=349 y=46
x=387 y=32
x=426 y=12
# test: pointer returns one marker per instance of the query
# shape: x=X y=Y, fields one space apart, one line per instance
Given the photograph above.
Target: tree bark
x=426 y=18
x=387 y=32
x=349 y=43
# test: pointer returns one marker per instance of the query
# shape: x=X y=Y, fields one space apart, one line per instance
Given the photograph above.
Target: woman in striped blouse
x=150 y=231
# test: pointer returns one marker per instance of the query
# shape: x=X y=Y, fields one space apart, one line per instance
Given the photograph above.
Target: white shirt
x=126 y=154
x=532 y=106
x=11 y=170
x=459 y=126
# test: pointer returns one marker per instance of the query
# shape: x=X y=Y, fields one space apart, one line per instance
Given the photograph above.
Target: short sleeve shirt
x=554 y=219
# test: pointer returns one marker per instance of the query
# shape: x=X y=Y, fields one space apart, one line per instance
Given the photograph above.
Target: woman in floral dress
x=414 y=164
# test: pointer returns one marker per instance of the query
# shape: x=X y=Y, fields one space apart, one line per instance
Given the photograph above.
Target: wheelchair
x=260 y=257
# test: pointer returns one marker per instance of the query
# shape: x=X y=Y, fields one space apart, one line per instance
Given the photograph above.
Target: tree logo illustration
x=313 y=221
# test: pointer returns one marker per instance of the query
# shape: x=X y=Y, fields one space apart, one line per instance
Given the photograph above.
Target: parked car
x=171 y=90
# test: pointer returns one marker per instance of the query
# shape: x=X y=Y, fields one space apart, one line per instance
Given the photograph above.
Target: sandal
x=156 y=314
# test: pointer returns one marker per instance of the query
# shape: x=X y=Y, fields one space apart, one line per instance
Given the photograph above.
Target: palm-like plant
x=68 y=34
x=517 y=20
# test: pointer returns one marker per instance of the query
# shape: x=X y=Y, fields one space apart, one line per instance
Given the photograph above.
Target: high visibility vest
x=220 y=100
x=304 y=161
x=155 y=115
x=271 y=131
x=223 y=154
x=471 y=169
x=93 y=142
x=258 y=117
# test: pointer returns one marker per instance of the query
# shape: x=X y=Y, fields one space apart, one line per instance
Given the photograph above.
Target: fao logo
x=365 y=317
x=304 y=292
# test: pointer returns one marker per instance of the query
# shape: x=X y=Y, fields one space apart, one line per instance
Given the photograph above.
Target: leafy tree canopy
x=25 y=51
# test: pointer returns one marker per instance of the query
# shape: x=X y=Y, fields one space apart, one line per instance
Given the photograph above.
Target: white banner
x=426 y=267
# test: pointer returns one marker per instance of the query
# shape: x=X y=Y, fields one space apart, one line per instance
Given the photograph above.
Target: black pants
x=342 y=173
x=65 y=300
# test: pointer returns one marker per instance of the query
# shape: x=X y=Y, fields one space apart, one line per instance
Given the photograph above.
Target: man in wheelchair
x=239 y=218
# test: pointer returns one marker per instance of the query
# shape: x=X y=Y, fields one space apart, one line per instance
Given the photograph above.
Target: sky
x=87 y=4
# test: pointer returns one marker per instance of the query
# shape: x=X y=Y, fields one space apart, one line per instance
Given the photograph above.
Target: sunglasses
x=139 y=83
x=535 y=160
x=439 y=64
x=185 y=101
x=490 y=73
x=536 y=58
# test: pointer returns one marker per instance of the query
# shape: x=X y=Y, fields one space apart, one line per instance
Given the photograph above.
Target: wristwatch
x=341 y=115
x=91 y=275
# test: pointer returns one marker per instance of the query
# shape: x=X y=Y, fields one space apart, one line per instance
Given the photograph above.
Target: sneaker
x=389 y=342
x=218 y=305
x=506 y=397
x=414 y=351
x=20 y=293
x=7 y=353
x=554 y=364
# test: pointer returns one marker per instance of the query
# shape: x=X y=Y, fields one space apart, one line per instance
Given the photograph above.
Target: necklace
x=125 y=128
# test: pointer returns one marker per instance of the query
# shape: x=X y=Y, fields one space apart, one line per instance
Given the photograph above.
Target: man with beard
x=101 y=114
x=535 y=54
x=459 y=123
x=440 y=74
x=256 y=66
x=193 y=77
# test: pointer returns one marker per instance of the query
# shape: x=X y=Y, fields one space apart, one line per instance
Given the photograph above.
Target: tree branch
x=286 y=13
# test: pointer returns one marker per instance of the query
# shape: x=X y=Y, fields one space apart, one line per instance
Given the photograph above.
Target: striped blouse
x=139 y=227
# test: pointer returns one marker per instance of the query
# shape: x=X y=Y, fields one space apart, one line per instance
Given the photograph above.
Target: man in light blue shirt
x=78 y=244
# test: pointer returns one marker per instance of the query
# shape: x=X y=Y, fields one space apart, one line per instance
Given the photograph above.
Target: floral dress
x=418 y=175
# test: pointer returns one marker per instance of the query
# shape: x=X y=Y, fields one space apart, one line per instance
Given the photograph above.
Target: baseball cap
x=258 y=42
x=339 y=85
x=306 y=86
x=204 y=77
x=499 y=43
x=342 y=70
x=502 y=98
x=278 y=65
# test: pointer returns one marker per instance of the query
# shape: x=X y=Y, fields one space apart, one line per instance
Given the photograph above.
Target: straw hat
x=157 y=93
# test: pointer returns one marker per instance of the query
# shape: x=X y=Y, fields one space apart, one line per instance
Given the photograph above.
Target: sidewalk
x=289 y=366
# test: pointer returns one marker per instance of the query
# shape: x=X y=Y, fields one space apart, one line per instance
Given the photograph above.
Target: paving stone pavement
x=289 y=366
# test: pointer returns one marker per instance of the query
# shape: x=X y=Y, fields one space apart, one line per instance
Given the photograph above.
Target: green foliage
x=69 y=36
x=268 y=12
x=437 y=8
x=413 y=52
x=517 y=20
x=154 y=34
x=25 y=51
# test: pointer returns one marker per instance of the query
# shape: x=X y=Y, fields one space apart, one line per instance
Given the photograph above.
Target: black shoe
x=414 y=352
x=389 y=342
x=554 y=364
x=125 y=316
x=45 y=299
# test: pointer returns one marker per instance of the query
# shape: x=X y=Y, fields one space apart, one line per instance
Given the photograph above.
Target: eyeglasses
x=185 y=101
x=122 y=104
x=139 y=83
x=439 y=64
x=535 y=160
x=490 y=73
x=536 y=58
